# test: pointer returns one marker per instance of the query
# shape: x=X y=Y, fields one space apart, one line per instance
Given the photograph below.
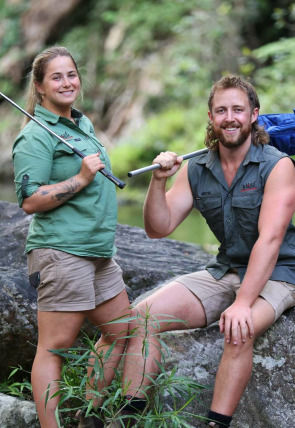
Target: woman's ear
x=39 y=88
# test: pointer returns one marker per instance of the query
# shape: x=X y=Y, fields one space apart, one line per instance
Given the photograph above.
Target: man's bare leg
x=173 y=299
x=235 y=368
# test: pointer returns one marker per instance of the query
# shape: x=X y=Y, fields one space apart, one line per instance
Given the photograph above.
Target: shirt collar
x=255 y=154
x=53 y=118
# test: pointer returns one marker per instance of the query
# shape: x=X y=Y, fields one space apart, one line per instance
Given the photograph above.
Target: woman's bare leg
x=56 y=330
x=114 y=308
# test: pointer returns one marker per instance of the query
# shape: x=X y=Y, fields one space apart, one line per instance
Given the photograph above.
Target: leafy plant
x=74 y=385
x=21 y=389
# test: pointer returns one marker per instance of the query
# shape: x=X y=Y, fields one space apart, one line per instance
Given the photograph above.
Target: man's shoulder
x=273 y=151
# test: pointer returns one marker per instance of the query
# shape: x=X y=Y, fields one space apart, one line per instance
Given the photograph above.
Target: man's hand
x=236 y=322
x=170 y=164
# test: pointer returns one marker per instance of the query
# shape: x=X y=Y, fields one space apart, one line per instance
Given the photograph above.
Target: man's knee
x=238 y=350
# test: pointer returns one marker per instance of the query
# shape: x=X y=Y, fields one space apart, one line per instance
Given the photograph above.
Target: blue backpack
x=281 y=129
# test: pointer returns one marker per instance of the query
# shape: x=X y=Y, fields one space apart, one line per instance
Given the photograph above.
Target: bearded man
x=245 y=189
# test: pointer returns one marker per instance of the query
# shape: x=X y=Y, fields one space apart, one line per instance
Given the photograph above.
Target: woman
x=70 y=243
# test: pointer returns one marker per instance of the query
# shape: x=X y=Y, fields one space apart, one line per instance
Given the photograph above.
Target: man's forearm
x=156 y=211
x=262 y=261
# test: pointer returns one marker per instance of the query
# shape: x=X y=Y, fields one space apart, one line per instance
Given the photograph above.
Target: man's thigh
x=172 y=307
x=280 y=295
x=214 y=295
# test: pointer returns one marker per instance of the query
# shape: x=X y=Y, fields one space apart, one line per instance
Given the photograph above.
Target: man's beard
x=230 y=144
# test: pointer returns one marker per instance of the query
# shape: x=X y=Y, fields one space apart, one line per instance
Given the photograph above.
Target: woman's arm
x=48 y=197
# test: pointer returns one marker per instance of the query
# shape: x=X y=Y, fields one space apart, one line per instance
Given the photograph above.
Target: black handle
x=106 y=173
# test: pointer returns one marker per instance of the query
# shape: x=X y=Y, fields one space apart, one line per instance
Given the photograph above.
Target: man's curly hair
x=259 y=135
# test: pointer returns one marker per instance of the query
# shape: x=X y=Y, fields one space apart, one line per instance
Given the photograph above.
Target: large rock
x=269 y=400
x=16 y=413
x=145 y=264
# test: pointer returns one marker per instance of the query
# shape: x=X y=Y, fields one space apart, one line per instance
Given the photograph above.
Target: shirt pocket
x=66 y=163
x=246 y=209
x=210 y=206
x=62 y=149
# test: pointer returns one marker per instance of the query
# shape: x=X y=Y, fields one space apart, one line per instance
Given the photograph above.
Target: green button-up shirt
x=85 y=224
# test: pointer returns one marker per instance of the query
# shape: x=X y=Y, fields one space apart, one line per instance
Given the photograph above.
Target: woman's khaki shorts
x=217 y=295
x=71 y=283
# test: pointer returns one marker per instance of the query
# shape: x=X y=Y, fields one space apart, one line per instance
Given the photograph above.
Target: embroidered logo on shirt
x=66 y=136
x=248 y=186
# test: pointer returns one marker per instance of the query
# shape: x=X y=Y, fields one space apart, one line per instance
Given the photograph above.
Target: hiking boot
x=89 y=421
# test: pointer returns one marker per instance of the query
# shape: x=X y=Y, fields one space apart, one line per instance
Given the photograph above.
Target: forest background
x=147 y=68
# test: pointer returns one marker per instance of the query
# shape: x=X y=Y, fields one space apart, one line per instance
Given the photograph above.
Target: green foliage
x=10 y=13
x=21 y=389
x=176 y=129
x=75 y=382
x=162 y=56
x=275 y=80
x=167 y=386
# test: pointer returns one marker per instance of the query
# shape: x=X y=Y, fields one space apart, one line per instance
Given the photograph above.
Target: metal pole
x=106 y=173
x=158 y=166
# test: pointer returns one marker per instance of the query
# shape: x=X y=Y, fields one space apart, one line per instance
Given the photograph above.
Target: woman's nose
x=66 y=82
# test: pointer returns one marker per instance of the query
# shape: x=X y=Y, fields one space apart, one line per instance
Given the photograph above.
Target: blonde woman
x=70 y=244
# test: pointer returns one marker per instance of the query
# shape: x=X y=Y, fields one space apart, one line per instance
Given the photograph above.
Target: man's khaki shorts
x=71 y=283
x=217 y=295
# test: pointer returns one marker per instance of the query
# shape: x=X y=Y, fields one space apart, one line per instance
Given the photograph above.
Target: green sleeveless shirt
x=232 y=212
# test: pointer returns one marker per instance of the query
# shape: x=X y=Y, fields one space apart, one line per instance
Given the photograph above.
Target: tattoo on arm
x=63 y=191
x=69 y=189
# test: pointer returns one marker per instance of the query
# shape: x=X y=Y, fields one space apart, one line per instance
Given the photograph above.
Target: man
x=245 y=189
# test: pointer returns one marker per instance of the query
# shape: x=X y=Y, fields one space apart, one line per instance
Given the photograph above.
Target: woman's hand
x=89 y=167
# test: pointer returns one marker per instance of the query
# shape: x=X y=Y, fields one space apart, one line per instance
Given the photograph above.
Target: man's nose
x=229 y=115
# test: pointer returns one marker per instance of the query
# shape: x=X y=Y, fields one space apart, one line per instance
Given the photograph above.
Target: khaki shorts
x=217 y=295
x=71 y=283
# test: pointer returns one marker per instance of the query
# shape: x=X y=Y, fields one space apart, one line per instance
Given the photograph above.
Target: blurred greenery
x=148 y=65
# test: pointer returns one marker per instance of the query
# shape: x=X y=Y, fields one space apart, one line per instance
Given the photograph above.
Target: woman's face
x=61 y=85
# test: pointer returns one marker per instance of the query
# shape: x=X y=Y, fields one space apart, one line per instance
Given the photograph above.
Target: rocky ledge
x=269 y=401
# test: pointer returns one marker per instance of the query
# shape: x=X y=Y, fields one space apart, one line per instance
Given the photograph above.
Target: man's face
x=232 y=118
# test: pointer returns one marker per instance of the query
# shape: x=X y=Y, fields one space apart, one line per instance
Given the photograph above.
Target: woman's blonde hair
x=259 y=135
x=37 y=74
